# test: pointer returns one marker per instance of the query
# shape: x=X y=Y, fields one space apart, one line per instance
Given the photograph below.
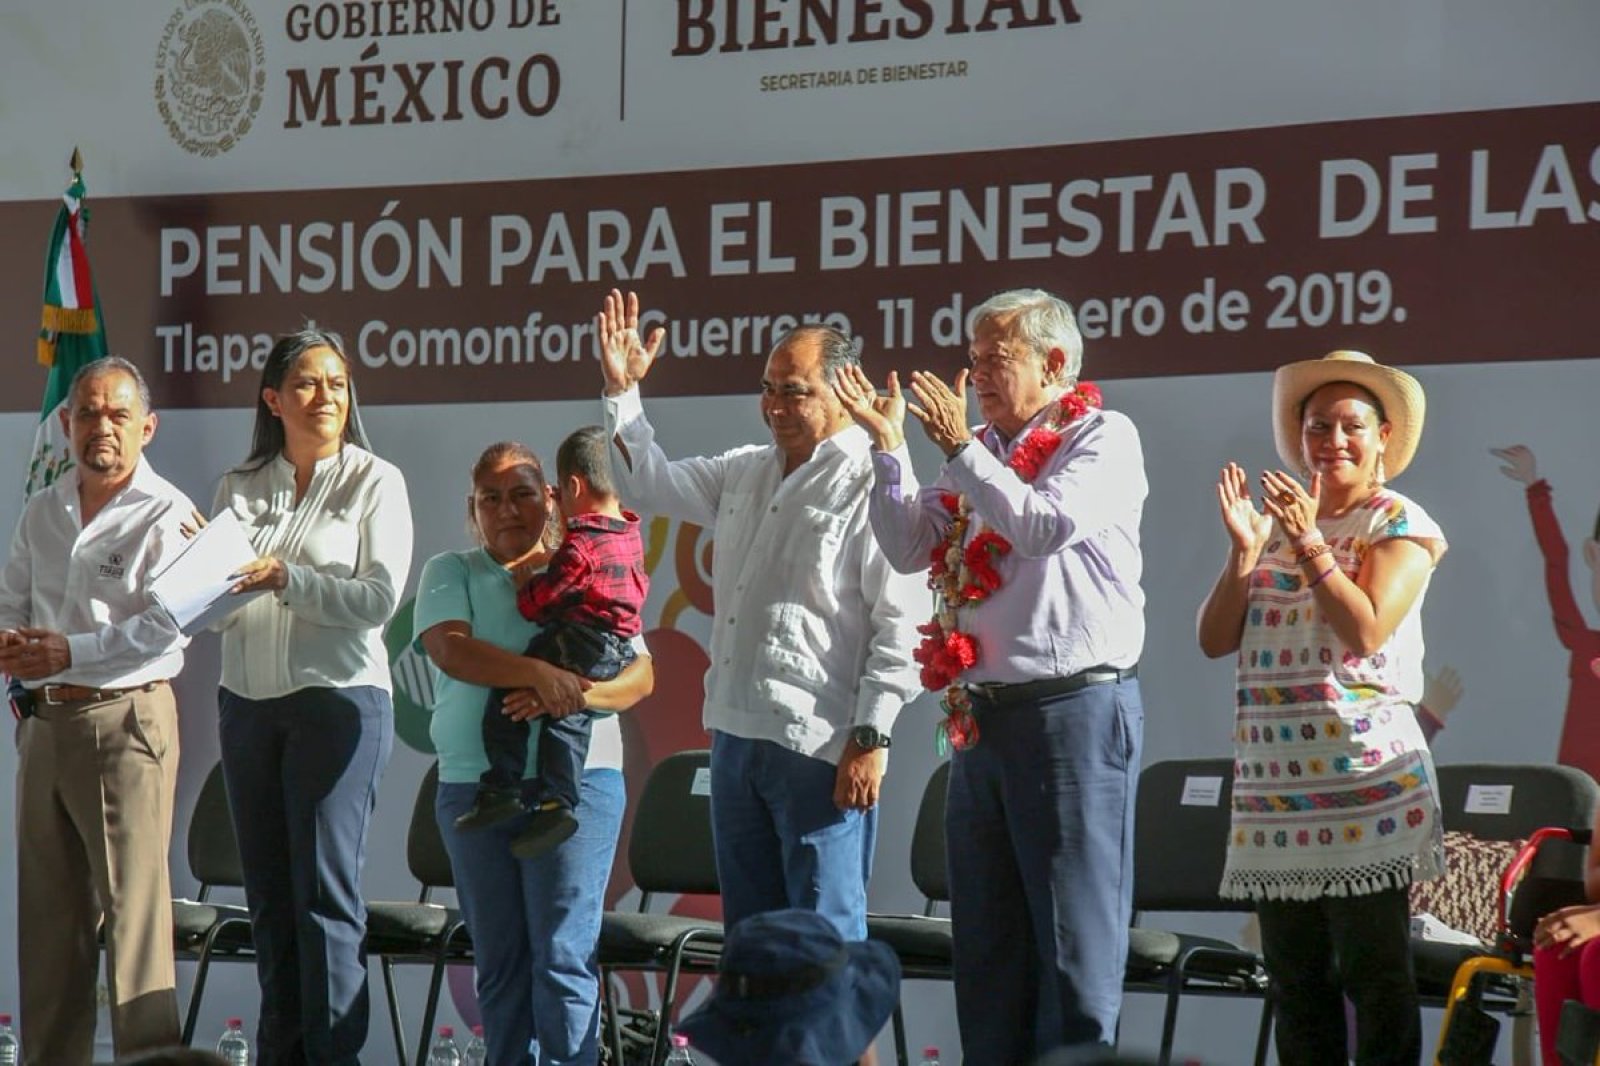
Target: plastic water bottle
x=233 y=1047
x=10 y=1049
x=679 y=1055
x=477 y=1053
x=444 y=1051
x=930 y=1056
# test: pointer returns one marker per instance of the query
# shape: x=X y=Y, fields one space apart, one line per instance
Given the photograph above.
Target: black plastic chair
x=1181 y=824
x=202 y=930
x=669 y=852
x=922 y=941
x=422 y=932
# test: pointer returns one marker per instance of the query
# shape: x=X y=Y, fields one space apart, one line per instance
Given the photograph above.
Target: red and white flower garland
x=964 y=573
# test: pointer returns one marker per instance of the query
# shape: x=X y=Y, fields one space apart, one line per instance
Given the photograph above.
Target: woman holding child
x=534 y=922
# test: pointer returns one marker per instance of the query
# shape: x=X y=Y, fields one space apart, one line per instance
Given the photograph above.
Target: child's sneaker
x=491 y=807
x=547 y=827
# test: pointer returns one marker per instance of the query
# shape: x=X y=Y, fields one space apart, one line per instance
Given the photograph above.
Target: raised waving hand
x=625 y=357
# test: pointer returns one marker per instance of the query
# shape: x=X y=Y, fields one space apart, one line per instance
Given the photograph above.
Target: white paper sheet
x=194 y=586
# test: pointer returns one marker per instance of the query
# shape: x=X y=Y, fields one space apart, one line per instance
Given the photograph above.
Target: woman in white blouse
x=307 y=722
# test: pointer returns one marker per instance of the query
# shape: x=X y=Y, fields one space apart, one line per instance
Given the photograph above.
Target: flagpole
x=71 y=329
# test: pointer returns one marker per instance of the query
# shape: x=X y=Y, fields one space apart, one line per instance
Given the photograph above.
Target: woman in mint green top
x=534 y=922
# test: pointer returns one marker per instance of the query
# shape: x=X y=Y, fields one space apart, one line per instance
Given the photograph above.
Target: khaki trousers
x=95 y=785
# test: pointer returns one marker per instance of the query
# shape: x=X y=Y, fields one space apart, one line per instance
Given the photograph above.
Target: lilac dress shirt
x=1070 y=597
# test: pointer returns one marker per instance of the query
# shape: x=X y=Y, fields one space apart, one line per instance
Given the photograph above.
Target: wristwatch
x=867 y=737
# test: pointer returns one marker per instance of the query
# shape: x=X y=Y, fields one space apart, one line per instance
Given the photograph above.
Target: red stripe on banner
x=84 y=288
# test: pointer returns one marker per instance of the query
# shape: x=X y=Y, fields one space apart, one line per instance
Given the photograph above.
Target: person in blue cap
x=790 y=989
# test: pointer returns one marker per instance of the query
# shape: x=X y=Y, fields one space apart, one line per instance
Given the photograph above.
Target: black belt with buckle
x=55 y=695
x=1000 y=693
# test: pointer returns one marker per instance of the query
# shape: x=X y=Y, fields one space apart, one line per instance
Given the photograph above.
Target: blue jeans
x=1039 y=824
x=780 y=842
x=302 y=772
x=596 y=654
x=535 y=924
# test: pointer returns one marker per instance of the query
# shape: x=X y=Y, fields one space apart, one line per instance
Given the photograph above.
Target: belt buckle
x=988 y=691
x=50 y=695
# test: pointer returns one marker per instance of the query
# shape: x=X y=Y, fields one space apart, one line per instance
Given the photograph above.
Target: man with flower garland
x=1030 y=536
x=813 y=631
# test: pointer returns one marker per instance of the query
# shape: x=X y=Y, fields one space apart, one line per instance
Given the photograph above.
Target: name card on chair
x=701 y=785
x=1201 y=792
x=1489 y=799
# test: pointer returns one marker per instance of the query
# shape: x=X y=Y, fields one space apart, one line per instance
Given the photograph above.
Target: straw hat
x=1399 y=394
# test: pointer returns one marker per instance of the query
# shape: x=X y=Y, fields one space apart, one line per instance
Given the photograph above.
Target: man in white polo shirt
x=812 y=632
x=98 y=749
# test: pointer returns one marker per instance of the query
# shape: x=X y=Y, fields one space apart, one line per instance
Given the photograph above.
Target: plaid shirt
x=596 y=578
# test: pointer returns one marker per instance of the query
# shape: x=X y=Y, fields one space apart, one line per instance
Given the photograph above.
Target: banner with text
x=1204 y=253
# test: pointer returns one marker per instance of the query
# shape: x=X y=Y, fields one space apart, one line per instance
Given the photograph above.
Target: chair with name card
x=1181 y=824
x=670 y=854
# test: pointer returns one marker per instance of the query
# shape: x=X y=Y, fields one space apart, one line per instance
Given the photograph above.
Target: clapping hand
x=624 y=358
x=1247 y=527
x=1292 y=506
x=883 y=417
x=942 y=409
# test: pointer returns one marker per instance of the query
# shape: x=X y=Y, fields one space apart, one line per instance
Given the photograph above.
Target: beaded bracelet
x=1320 y=578
x=1311 y=551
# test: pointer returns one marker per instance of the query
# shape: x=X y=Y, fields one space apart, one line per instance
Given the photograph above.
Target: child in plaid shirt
x=588 y=600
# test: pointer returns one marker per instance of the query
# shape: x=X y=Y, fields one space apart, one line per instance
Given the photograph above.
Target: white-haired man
x=1032 y=534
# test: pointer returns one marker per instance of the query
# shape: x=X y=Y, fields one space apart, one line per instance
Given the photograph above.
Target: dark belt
x=1000 y=693
x=58 y=694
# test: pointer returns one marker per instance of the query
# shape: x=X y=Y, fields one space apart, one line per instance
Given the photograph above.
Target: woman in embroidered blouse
x=1334 y=812
x=307 y=722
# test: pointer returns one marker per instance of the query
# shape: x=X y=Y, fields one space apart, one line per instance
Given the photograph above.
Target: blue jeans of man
x=302 y=772
x=1039 y=824
x=780 y=842
x=535 y=924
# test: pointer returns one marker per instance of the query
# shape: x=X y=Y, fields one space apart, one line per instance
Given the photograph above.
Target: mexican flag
x=71 y=333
